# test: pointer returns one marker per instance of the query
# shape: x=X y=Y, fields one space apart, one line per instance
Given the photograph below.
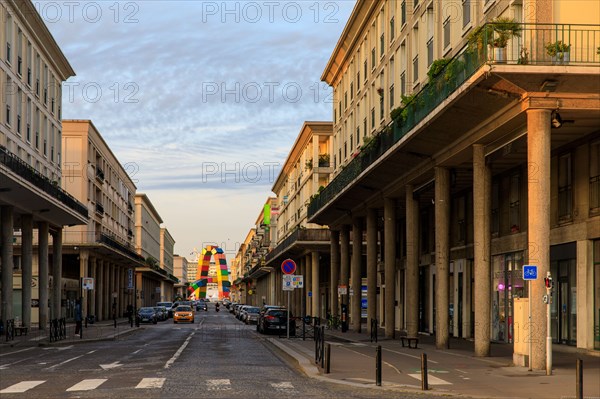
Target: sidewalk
x=99 y=331
x=454 y=371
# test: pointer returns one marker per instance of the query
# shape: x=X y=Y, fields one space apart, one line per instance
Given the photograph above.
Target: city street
x=216 y=357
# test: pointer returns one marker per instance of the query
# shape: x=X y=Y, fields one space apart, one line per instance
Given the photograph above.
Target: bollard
x=579 y=382
x=378 y=366
x=424 y=383
x=328 y=359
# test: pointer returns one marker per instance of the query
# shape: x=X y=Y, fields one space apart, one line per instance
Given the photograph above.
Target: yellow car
x=183 y=313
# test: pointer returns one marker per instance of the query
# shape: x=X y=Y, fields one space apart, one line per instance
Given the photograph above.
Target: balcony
x=121 y=247
x=99 y=174
x=299 y=238
x=524 y=56
x=129 y=233
x=30 y=175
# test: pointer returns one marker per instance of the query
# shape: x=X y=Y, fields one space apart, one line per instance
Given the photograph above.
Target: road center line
x=179 y=351
x=66 y=361
x=11 y=353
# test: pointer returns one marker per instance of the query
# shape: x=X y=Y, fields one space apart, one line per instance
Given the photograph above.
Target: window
x=429 y=52
x=340 y=155
x=340 y=109
x=345 y=100
x=45 y=84
x=381 y=44
x=28 y=55
x=391 y=96
x=403 y=12
x=416 y=3
x=8 y=100
x=345 y=149
x=365 y=127
x=351 y=142
x=20 y=52
x=466 y=12
x=460 y=223
x=28 y=119
x=357 y=134
x=8 y=34
x=446 y=32
x=372 y=118
x=595 y=176
x=373 y=58
x=392 y=30
x=358 y=80
x=366 y=71
x=514 y=216
x=351 y=91
x=381 y=108
x=565 y=189
x=403 y=83
x=416 y=69
x=19 y=110
x=495 y=219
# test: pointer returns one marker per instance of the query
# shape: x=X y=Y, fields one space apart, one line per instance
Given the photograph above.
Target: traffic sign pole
x=530 y=333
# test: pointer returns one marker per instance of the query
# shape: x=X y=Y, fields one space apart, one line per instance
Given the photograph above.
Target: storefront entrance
x=507 y=284
x=563 y=312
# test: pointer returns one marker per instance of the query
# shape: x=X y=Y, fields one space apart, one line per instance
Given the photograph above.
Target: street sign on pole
x=287 y=283
x=530 y=272
x=130 y=279
x=87 y=283
x=288 y=266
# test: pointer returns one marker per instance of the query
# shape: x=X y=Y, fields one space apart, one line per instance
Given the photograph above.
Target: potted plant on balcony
x=504 y=30
x=559 y=52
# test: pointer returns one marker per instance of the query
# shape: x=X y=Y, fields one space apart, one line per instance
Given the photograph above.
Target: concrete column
x=7 y=262
x=412 y=263
x=538 y=223
x=99 y=289
x=345 y=262
x=316 y=307
x=43 y=274
x=26 y=267
x=482 y=286
x=334 y=271
x=57 y=289
x=442 y=254
x=371 y=265
x=83 y=272
x=305 y=288
x=356 y=276
x=309 y=286
x=94 y=275
x=389 y=259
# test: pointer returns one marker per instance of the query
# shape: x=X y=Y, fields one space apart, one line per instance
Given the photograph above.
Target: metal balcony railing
x=298 y=235
x=99 y=209
x=122 y=247
x=99 y=173
x=532 y=47
x=24 y=170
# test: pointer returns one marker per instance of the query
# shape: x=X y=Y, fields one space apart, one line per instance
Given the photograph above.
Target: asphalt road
x=216 y=357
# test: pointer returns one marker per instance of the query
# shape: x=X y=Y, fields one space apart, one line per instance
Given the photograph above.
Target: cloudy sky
x=200 y=100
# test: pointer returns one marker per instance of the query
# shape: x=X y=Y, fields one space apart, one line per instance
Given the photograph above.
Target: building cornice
x=37 y=29
x=146 y=201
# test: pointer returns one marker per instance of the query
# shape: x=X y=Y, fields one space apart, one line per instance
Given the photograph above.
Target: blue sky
x=201 y=100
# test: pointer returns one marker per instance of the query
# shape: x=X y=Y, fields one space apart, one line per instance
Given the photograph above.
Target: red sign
x=288 y=266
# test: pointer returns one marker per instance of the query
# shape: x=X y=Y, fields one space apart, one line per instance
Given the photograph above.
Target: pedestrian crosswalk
x=91 y=384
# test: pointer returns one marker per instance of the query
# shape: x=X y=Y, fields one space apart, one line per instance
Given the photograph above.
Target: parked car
x=147 y=315
x=161 y=313
x=251 y=314
x=183 y=313
x=241 y=312
x=201 y=305
x=264 y=308
x=168 y=306
x=276 y=320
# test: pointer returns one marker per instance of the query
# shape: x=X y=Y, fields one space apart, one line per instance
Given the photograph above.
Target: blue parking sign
x=529 y=272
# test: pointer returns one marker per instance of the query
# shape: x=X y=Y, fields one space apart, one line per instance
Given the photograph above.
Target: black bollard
x=328 y=359
x=378 y=366
x=579 y=382
x=424 y=383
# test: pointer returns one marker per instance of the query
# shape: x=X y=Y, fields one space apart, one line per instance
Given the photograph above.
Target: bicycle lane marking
x=373 y=357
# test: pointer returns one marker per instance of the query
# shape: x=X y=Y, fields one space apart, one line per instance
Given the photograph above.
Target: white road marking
x=137 y=351
x=431 y=379
x=407 y=355
x=461 y=371
x=218 y=385
x=66 y=361
x=285 y=386
x=90 y=352
x=179 y=351
x=87 y=385
x=151 y=383
x=111 y=365
x=19 y=351
x=22 y=386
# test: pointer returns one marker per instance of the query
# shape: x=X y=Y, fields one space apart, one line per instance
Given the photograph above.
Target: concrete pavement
x=453 y=371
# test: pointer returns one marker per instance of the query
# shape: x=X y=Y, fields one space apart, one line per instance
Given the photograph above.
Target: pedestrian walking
x=78 y=317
